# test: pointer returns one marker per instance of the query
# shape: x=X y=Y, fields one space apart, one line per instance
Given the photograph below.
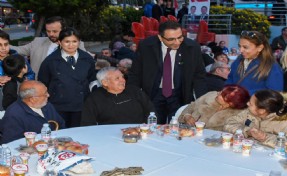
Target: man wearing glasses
x=169 y=68
x=28 y=113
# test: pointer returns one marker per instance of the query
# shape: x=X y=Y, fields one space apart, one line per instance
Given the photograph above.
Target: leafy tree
x=68 y=9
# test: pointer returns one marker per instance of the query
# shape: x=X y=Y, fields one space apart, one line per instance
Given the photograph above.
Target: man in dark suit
x=169 y=68
x=204 y=15
x=157 y=10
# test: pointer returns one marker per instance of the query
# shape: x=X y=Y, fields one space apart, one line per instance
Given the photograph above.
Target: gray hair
x=102 y=74
x=216 y=65
x=26 y=93
x=126 y=63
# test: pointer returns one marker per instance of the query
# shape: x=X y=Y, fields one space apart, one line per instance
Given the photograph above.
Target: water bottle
x=152 y=121
x=46 y=132
x=237 y=141
x=280 y=144
x=6 y=155
x=173 y=126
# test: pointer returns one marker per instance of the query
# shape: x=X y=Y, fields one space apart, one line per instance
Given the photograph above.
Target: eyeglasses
x=251 y=35
x=174 y=39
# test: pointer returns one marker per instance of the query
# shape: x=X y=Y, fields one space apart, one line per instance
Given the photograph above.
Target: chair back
x=163 y=19
x=145 y=21
x=172 y=18
x=138 y=30
x=154 y=24
x=54 y=124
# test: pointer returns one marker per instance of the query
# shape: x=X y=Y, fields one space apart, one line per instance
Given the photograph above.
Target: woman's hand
x=257 y=134
x=188 y=119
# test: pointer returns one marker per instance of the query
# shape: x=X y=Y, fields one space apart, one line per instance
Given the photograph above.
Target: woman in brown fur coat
x=214 y=107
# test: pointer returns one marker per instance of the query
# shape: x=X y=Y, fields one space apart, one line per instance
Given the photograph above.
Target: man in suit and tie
x=41 y=47
x=169 y=68
x=204 y=15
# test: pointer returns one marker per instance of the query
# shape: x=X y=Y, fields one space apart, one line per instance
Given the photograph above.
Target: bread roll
x=131 y=131
x=186 y=133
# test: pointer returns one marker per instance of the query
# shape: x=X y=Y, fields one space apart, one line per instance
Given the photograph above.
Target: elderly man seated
x=29 y=113
x=217 y=76
x=114 y=102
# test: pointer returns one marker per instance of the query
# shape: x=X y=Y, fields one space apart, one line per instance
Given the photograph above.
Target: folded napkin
x=123 y=171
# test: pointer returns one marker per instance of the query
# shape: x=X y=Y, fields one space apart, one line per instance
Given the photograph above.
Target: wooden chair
x=54 y=124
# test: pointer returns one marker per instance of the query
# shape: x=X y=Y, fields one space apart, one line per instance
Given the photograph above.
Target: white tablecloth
x=164 y=156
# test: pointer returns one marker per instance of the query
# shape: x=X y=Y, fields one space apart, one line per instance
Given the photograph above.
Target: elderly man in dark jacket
x=29 y=113
x=169 y=68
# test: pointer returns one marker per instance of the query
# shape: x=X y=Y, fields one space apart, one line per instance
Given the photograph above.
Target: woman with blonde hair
x=255 y=68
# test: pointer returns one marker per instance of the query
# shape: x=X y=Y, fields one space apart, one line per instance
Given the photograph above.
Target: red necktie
x=167 y=77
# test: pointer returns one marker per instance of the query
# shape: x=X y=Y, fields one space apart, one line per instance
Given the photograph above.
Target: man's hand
x=4 y=79
x=188 y=119
x=257 y=134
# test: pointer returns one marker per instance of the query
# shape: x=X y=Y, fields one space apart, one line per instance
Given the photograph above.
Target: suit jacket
x=189 y=71
x=37 y=50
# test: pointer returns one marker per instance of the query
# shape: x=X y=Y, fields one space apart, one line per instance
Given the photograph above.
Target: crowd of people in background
x=125 y=82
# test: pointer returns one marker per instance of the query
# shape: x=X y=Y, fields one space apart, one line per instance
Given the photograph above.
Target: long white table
x=164 y=156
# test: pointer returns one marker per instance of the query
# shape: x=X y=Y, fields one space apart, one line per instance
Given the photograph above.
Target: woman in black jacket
x=67 y=73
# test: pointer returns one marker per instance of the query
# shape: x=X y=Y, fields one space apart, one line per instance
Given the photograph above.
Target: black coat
x=189 y=71
x=214 y=82
x=278 y=43
x=67 y=87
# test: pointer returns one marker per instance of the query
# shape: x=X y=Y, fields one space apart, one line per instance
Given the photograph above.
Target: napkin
x=123 y=171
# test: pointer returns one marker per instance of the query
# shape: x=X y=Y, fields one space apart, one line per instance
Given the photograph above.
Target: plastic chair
x=148 y=27
x=145 y=21
x=172 y=18
x=138 y=30
x=154 y=24
x=179 y=111
x=203 y=36
x=163 y=19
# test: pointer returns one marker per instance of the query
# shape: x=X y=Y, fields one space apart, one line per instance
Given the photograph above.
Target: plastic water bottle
x=6 y=155
x=152 y=121
x=46 y=132
x=173 y=126
x=237 y=141
x=280 y=144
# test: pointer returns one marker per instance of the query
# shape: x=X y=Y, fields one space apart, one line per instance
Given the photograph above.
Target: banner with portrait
x=197 y=10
